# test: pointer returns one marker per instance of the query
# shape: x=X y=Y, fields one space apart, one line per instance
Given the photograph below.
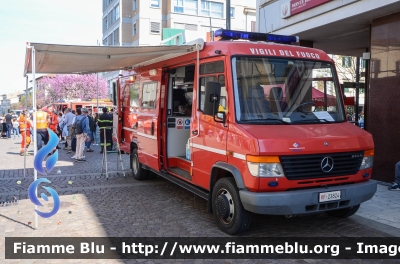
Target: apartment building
x=149 y=22
x=141 y=22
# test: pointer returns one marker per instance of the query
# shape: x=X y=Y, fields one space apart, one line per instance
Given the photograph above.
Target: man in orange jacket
x=24 y=128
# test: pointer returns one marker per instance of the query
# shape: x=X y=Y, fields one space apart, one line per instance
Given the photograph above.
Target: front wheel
x=343 y=213
x=228 y=210
x=138 y=172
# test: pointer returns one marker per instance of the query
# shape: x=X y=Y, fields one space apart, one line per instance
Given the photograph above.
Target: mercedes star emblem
x=327 y=164
x=326 y=143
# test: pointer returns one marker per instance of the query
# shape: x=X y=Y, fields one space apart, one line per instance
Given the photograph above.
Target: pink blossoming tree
x=71 y=87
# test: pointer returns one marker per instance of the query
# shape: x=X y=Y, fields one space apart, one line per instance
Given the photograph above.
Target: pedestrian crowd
x=77 y=130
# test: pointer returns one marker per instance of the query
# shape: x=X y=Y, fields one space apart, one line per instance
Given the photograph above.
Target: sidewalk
x=383 y=208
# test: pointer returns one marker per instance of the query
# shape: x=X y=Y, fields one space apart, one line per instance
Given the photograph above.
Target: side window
x=149 y=95
x=203 y=81
x=222 y=102
x=210 y=69
x=134 y=94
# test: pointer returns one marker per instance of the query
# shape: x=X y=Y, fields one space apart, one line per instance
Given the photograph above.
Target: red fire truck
x=236 y=123
x=60 y=106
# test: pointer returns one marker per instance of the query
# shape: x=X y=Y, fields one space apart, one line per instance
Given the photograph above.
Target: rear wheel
x=228 y=210
x=343 y=213
x=138 y=172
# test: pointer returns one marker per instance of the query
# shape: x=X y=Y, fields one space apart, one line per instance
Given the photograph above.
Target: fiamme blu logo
x=49 y=165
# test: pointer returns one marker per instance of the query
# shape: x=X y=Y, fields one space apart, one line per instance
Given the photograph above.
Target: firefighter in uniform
x=105 y=122
x=41 y=128
x=25 y=132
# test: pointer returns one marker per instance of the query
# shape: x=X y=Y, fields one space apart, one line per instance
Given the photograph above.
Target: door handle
x=195 y=132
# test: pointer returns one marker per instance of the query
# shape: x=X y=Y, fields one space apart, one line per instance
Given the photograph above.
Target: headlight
x=367 y=162
x=265 y=169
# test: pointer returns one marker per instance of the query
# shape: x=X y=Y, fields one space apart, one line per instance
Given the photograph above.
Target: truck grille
x=299 y=167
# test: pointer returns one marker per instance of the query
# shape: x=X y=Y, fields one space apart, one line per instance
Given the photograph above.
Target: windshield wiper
x=313 y=121
x=266 y=119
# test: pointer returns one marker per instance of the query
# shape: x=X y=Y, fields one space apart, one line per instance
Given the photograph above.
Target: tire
x=138 y=172
x=343 y=213
x=232 y=220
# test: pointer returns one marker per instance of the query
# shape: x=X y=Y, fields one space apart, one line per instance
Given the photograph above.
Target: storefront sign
x=294 y=7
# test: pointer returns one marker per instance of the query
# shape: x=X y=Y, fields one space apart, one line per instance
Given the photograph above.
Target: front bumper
x=306 y=201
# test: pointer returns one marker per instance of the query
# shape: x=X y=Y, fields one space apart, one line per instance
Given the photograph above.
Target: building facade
x=5 y=104
x=149 y=22
x=366 y=29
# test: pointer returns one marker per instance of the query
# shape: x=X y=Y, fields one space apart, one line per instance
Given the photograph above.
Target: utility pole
x=357 y=90
x=228 y=14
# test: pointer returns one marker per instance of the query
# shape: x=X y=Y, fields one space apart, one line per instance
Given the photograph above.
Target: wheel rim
x=135 y=164
x=225 y=206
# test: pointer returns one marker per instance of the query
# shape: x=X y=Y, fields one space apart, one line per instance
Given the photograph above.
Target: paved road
x=92 y=206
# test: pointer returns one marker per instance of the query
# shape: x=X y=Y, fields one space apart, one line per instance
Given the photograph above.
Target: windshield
x=285 y=91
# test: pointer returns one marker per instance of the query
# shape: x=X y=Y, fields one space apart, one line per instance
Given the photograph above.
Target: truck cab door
x=209 y=141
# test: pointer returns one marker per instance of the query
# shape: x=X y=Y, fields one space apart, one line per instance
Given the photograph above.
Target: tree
x=71 y=87
x=22 y=104
x=346 y=68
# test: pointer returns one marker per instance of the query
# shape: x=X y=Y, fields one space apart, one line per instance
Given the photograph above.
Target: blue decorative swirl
x=32 y=196
x=44 y=151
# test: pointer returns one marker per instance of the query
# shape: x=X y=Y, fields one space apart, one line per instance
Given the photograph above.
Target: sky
x=71 y=22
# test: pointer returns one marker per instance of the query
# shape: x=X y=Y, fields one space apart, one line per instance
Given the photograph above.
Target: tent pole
x=34 y=128
x=26 y=108
x=97 y=74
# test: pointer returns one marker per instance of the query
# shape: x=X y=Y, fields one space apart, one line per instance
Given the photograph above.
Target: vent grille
x=299 y=167
x=155 y=27
x=191 y=27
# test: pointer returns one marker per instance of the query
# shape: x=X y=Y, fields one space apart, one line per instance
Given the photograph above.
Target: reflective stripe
x=147 y=136
x=239 y=156
x=219 y=151
x=215 y=150
x=130 y=129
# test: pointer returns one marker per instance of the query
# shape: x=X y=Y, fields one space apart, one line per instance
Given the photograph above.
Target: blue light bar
x=254 y=36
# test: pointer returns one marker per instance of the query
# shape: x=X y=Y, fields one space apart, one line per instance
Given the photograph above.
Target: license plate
x=329 y=196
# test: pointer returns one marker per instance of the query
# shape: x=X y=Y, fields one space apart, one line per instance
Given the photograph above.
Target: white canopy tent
x=67 y=59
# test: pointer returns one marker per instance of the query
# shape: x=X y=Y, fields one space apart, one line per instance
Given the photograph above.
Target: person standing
x=92 y=129
x=81 y=136
x=396 y=184
x=53 y=119
x=9 y=125
x=59 y=129
x=67 y=128
x=25 y=129
x=41 y=128
x=15 y=128
x=105 y=123
x=96 y=134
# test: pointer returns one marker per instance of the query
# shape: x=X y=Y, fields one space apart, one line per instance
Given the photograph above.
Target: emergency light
x=255 y=36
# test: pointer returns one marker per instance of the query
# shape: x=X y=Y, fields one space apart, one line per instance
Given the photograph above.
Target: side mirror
x=212 y=97
x=220 y=117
